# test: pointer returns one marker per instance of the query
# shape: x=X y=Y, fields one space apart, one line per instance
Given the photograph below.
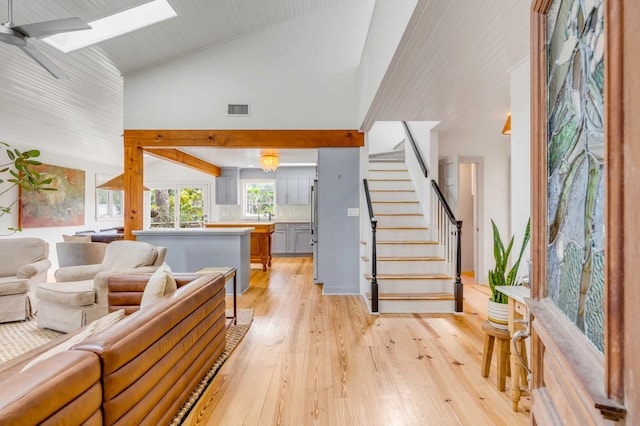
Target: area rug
x=235 y=333
x=19 y=337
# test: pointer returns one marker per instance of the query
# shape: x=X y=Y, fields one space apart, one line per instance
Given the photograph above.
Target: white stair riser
x=393 y=196
x=396 y=208
x=400 y=221
x=416 y=306
x=416 y=267
x=400 y=174
x=402 y=234
x=391 y=165
x=406 y=250
x=390 y=184
x=415 y=286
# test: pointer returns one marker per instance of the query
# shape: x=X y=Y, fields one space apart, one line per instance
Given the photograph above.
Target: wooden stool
x=492 y=333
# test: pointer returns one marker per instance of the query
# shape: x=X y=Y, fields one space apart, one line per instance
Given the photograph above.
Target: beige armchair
x=75 y=253
x=24 y=265
x=79 y=294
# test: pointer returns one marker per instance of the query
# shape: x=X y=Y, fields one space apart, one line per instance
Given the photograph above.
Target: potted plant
x=499 y=276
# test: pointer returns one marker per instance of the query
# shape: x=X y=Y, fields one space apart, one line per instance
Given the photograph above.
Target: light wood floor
x=312 y=359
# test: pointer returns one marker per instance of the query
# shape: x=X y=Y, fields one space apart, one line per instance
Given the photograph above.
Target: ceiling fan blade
x=48 y=28
x=45 y=62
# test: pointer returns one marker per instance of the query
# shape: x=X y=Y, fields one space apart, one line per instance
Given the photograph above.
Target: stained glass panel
x=575 y=146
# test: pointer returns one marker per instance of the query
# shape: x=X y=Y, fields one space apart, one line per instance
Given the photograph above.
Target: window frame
x=244 y=183
x=177 y=187
x=100 y=179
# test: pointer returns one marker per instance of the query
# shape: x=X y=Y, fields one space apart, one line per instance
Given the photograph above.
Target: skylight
x=113 y=26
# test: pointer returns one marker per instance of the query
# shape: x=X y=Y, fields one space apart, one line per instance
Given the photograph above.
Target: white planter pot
x=498 y=314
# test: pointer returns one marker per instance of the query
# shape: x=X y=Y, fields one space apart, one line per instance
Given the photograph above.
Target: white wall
x=520 y=155
x=54 y=234
x=388 y=22
x=465 y=214
x=494 y=153
x=297 y=75
x=422 y=134
x=384 y=135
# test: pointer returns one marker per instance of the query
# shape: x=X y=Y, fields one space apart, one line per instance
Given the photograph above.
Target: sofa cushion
x=16 y=252
x=160 y=283
x=94 y=327
x=13 y=285
x=124 y=254
x=74 y=293
x=76 y=238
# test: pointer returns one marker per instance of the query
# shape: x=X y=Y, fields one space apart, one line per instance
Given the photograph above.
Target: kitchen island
x=192 y=249
x=260 y=251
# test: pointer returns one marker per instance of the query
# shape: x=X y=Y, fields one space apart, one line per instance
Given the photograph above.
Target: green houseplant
x=17 y=171
x=497 y=308
x=499 y=275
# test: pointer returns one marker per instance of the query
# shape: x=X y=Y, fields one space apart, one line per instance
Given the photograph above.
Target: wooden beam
x=184 y=159
x=244 y=138
x=133 y=197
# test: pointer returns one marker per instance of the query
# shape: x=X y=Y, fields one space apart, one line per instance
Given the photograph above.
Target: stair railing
x=374 y=260
x=416 y=151
x=449 y=234
x=446 y=229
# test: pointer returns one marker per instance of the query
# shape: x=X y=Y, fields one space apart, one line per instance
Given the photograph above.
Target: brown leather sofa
x=139 y=371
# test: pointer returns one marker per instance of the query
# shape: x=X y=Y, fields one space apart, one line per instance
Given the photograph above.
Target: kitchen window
x=177 y=206
x=258 y=198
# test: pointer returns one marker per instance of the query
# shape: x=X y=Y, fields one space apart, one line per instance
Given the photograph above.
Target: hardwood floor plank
x=311 y=359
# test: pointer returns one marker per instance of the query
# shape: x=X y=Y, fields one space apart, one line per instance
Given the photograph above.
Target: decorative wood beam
x=184 y=159
x=244 y=138
x=135 y=141
x=133 y=198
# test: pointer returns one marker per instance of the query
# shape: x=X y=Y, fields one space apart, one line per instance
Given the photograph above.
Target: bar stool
x=491 y=334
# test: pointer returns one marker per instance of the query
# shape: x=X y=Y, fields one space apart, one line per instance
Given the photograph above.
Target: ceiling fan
x=18 y=35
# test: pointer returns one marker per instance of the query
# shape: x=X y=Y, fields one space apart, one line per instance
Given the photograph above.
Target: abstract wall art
x=62 y=207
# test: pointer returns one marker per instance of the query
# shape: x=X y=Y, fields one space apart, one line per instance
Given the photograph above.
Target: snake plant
x=499 y=275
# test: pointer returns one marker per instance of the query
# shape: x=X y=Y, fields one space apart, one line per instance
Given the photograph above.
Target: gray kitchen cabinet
x=281 y=191
x=293 y=190
x=279 y=239
x=302 y=237
x=304 y=190
x=291 y=238
x=226 y=190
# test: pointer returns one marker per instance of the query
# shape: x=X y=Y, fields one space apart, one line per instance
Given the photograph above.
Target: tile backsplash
x=284 y=212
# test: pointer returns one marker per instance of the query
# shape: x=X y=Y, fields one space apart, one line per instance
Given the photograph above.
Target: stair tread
x=409 y=258
x=423 y=228
x=399 y=214
x=389 y=180
x=408 y=242
x=392 y=190
x=388 y=170
x=395 y=202
x=436 y=276
x=413 y=296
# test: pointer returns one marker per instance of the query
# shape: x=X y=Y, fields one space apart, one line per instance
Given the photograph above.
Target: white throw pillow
x=160 y=283
x=94 y=327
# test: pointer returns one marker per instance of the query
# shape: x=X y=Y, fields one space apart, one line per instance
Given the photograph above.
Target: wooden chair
x=491 y=334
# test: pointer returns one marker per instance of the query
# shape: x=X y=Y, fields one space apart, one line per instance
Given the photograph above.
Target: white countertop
x=517 y=292
x=197 y=231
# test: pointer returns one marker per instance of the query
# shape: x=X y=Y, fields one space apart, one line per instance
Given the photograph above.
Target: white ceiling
x=452 y=65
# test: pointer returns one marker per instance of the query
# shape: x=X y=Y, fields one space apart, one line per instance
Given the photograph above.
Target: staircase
x=412 y=273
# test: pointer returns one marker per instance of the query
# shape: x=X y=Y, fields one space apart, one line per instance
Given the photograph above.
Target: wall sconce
x=506 y=130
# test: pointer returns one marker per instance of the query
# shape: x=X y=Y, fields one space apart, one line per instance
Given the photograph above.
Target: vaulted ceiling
x=452 y=63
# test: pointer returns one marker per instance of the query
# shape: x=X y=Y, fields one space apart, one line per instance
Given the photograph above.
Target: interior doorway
x=469 y=212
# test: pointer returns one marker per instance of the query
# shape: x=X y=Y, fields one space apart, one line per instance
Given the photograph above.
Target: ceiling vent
x=238 y=110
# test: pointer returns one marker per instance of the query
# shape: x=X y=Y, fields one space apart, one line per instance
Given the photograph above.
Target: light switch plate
x=353 y=211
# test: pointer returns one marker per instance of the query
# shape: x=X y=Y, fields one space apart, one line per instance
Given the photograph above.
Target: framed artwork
x=62 y=207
